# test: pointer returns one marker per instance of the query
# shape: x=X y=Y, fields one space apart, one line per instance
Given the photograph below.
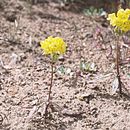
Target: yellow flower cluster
x=121 y=20
x=53 y=46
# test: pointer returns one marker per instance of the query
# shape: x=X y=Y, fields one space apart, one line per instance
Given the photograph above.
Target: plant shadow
x=117 y=97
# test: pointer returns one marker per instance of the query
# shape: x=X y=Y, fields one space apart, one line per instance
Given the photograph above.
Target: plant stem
x=117 y=66
x=49 y=95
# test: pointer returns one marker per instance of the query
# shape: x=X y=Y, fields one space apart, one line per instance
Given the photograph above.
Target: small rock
x=34 y=102
x=61 y=58
x=86 y=97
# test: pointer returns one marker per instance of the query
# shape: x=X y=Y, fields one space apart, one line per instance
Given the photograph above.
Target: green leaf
x=90 y=67
x=128 y=74
x=54 y=57
x=62 y=70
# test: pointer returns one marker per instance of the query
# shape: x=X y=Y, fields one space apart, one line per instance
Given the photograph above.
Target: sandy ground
x=82 y=99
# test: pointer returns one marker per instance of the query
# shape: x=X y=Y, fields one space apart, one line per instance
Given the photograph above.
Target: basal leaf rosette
x=53 y=46
x=121 y=20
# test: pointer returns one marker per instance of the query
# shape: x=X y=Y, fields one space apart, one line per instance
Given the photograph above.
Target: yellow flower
x=121 y=20
x=53 y=46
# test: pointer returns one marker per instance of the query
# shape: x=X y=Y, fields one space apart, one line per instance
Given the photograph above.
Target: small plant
x=53 y=47
x=88 y=67
x=121 y=24
x=92 y=11
x=69 y=1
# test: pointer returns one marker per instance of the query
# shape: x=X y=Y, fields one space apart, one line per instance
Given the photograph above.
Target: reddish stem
x=117 y=66
x=49 y=95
